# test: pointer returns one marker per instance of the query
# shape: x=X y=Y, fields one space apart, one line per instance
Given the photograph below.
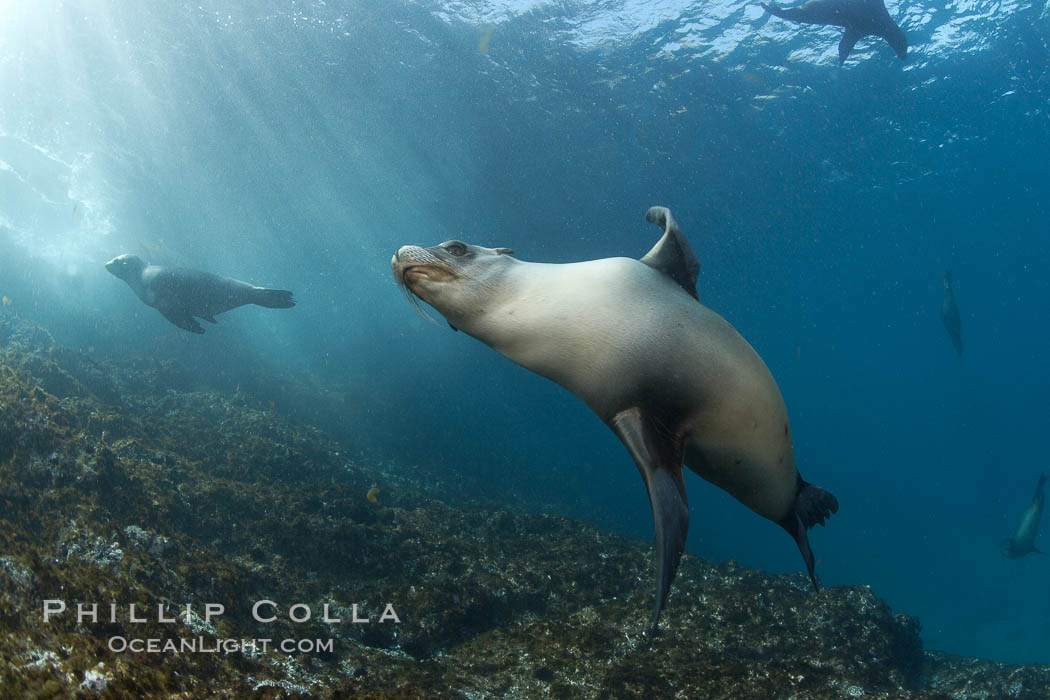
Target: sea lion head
x=453 y=277
x=127 y=267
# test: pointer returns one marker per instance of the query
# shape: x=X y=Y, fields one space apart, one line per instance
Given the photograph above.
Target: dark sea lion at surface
x=180 y=293
x=860 y=18
x=950 y=314
x=1023 y=541
x=671 y=378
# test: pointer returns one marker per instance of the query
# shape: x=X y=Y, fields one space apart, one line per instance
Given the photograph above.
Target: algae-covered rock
x=134 y=483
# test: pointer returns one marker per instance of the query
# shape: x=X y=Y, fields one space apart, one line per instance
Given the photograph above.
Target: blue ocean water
x=298 y=144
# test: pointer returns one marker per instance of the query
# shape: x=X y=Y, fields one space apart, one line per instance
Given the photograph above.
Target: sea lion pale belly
x=673 y=380
x=180 y=293
x=583 y=351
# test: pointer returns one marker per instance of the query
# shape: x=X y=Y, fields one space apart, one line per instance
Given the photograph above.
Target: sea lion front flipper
x=802 y=14
x=776 y=11
x=812 y=505
x=672 y=254
x=183 y=321
x=209 y=319
x=849 y=40
x=661 y=467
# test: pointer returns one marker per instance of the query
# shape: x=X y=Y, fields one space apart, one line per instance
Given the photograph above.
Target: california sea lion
x=860 y=18
x=950 y=314
x=1023 y=541
x=180 y=293
x=671 y=378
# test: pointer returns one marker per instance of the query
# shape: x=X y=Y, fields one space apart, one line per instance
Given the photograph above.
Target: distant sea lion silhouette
x=180 y=293
x=950 y=314
x=1023 y=541
x=671 y=378
x=860 y=18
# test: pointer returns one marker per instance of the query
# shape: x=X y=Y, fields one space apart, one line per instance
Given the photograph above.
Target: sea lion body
x=670 y=377
x=1023 y=541
x=860 y=18
x=180 y=293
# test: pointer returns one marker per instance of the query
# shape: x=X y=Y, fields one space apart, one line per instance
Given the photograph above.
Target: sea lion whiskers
x=418 y=257
x=412 y=298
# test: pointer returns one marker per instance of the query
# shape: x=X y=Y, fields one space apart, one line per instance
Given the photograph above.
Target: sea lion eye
x=457 y=249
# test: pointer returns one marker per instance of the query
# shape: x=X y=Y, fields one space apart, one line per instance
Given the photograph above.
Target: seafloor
x=135 y=482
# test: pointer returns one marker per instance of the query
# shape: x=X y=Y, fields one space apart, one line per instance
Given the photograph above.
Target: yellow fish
x=272 y=405
x=7 y=302
x=237 y=389
x=372 y=495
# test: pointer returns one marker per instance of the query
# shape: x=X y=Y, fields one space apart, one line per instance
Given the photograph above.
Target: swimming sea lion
x=180 y=293
x=950 y=314
x=671 y=378
x=1023 y=541
x=860 y=18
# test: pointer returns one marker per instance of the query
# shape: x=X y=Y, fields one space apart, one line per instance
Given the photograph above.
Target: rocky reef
x=125 y=483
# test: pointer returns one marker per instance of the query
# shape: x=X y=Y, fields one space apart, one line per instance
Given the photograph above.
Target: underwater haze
x=297 y=145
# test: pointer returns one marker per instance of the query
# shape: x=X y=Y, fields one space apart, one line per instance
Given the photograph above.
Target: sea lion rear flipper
x=661 y=467
x=273 y=298
x=812 y=505
x=849 y=40
x=183 y=321
x=672 y=254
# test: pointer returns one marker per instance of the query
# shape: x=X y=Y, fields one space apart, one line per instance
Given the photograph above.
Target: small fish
x=272 y=405
x=237 y=389
x=7 y=302
x=372 y=495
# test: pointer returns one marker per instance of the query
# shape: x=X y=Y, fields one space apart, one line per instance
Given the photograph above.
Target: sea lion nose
x=409 y=254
